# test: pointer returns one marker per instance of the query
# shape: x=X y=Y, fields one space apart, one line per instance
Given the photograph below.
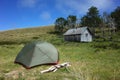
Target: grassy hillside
x=25 y=35
x=89 y=61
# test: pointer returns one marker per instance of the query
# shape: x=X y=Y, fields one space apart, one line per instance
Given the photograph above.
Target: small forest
x=103 y=26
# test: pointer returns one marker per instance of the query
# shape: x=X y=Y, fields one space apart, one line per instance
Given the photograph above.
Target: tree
x=92 y=18
x=78 y=23
x=111 y=27
x=107 y=26
x=59 y=24
x=116 y=15
x=85 y=21
x=71 y=21
x=103 y=24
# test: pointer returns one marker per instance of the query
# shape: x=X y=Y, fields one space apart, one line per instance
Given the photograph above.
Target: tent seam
x=46 y=54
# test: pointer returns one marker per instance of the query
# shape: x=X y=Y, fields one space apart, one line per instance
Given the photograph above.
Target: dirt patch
x=14 y=75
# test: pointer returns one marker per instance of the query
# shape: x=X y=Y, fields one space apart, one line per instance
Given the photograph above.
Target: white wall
x=86 y=37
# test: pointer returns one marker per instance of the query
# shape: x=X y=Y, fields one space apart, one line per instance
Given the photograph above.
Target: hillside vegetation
x=24 y=35
x=97 y=60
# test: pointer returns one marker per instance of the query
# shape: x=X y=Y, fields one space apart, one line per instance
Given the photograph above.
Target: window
x=86 y=34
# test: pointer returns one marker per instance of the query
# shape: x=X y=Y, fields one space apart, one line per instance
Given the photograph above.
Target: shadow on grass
x=12 y=42
x=55 y=32
x=106 y=45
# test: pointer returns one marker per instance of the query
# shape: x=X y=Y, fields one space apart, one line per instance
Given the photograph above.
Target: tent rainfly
x=37 y=53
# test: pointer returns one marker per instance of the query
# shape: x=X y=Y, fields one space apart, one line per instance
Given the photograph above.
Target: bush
x=100 y=45
x=114 y=45
x=35 y=37
x=106 y=45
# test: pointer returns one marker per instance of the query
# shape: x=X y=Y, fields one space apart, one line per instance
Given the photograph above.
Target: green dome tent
x=37 y=53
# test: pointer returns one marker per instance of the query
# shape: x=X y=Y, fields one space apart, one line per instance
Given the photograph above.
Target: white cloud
x=102 y=4
x=27 y=3
x=45 y=15
x=81 y=6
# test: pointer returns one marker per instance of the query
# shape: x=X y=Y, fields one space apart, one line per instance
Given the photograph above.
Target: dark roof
x=75 y=31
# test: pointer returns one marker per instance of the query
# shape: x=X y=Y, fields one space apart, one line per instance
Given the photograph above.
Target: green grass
x=89 y=61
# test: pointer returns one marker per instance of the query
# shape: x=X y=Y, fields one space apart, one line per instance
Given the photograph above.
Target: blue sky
x=29 y=13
